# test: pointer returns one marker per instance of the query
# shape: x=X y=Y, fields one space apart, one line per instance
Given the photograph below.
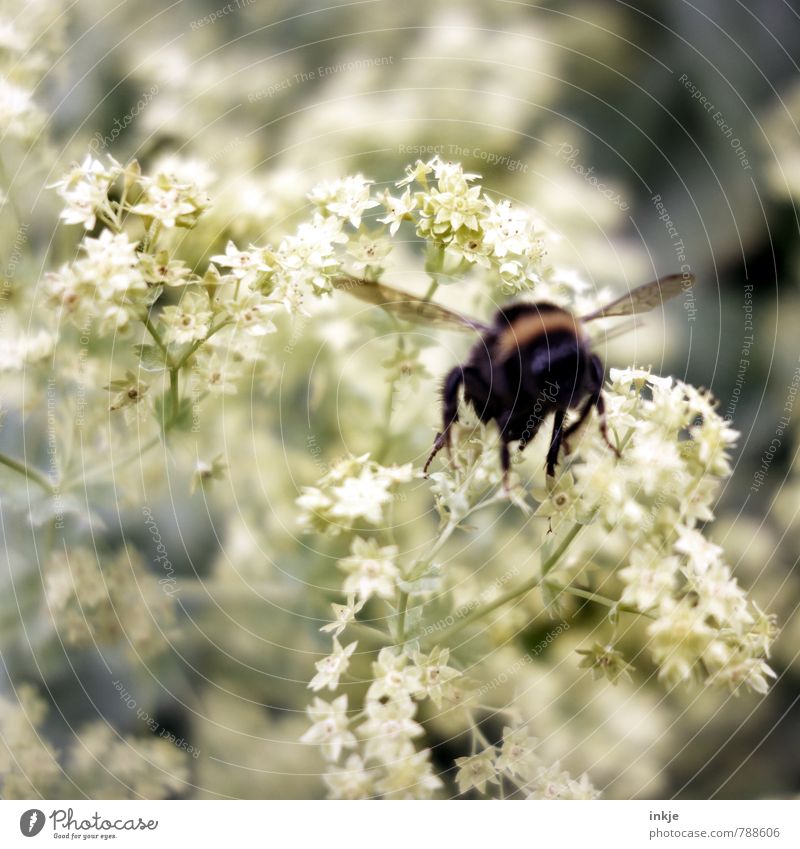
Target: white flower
x=399 y=209
x=348 y=198
x=106 y=281
x=702 y=553
x=721 y=596
x=253 y=315
x=188 y=322
x=166 y=205
x=330 y=727
x=742 y=671
x=361 y=497
x=215 y=374
x=85 y=190
x=476 y=771
x=678 y=639
x=621 y=379
x=354 y=488
x=409 y=777
x=518 y=752
x=506 y=229
x=368 y=252
x=444 y=212
x=371 y=569
x=343 y=614
x=714 y=437
x=658 y=463
x=245 y=266
x=19 y=116
x=16 y=352
x=417 y=173
x=352 y=781
x=169 y=201
x=111 y=264
x=331 y=668
x=389 y=729
x=394 y=676
x=555 y=783
x=649 y=578
x=307 y=260
x=467 y=246
x=435 y=675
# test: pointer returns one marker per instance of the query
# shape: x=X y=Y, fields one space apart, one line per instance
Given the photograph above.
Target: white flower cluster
x=304 y=263
x=450 y=211
x=110 y=604
x=517 y=761
x=211 y=328
x=386 y=762
x=106 y=282
x=355 y=489
x=163 y=198
x=25 y=349
x=674 y=448
x=118 y=278
x=30 y=42
x=169 y=201
x=474 y=473
x=31 y=768
x=348 y=198
x=85 y=191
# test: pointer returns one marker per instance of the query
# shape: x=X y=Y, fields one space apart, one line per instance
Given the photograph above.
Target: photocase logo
x=31 y=822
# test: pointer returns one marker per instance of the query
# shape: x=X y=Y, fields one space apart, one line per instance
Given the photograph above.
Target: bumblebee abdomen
x=532 y=325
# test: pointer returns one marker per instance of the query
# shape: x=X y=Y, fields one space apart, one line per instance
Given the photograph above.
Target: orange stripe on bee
x=526 y=328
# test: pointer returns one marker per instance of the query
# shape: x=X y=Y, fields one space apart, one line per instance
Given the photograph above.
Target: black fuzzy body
x=533 y=361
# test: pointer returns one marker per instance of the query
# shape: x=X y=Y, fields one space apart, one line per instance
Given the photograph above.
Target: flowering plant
x=625 y=535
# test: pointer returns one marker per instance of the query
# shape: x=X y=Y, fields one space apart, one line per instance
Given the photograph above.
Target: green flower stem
x=112 y=467
x=174 y=395
x=431 y=290
x=453 y=524
x=174 y=400
x=120 y=211
x=608 y=602
x=214 y=592
x=512 y=595
x=195 y=345
x=402 y=607
x=477 y=736
x=174 y=405
x=448 y=530
x=31 y=474
x=434 y=266
x=151 y=237
x=110 y=221
x=151 y=328
x=387 y=409
x=369 y=631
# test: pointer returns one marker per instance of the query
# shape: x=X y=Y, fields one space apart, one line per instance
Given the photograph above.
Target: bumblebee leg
x=505 y=463
x=505 y=453
x=452 y=383
x=529 y=434
x=555 y=443
x=582 y=416
x=601 y=411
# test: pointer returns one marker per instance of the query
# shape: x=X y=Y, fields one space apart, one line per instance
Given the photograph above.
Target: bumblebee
x=534 y=359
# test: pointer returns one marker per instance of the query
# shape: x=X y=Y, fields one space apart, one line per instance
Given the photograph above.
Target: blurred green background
x=584 y=111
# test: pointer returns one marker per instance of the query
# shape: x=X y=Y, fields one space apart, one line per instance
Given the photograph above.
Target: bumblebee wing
x=644 y=298
x=406 y=306
x=602 y=335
